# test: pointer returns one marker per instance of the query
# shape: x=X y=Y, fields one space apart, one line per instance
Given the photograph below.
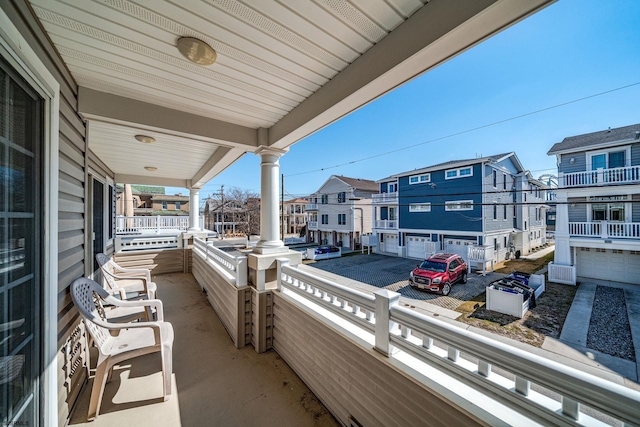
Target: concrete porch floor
x=214 y=383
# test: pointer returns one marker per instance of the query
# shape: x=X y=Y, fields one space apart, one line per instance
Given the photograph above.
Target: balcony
x=605 y=230
x=312 y=225
x=311 y=207
x=385 y=199
x=600 y=177
x=386 y=224
x=151 y=224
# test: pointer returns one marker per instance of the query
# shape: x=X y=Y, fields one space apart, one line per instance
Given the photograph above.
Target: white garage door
x=458 y=246
x=416 y=246
x=390 y=244
x=606 y=264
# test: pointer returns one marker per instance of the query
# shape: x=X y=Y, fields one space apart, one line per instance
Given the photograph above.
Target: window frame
x=420 y=207
x=324 y=219
x=459 y=203
x=607 y=152
x=422 y=178
x=342 y=219
x=457 y=172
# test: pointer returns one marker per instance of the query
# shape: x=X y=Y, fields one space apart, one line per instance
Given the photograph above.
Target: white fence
x=385 y=198
x=151 y=224
x=135 y=243
x=230 y=266
x=465 y=355
x=625 y=175
x=386 y=224
x=605 y=230
x=562 y=274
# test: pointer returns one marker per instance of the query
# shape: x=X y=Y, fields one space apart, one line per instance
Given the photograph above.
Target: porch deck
x=213 y=382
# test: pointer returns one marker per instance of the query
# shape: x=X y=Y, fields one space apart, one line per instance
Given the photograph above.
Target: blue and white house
x=489 y=201
x=598 y=207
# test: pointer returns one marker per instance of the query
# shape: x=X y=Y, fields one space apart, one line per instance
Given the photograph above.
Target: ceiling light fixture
x=151 y=168
x=196 y=51
x=146 y=139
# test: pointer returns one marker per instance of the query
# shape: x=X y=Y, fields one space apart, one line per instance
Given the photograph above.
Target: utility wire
x=468 y=130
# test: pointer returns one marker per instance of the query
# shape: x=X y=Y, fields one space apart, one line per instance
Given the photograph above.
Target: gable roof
x=603 y=137
x=359 y=184
x=460 y=163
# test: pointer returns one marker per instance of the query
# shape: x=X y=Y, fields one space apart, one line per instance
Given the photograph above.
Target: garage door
x=416 y=246
x=458 y=246
x=606 y=264
x=390 y=244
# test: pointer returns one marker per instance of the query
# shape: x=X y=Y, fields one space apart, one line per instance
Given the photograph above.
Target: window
x=495 y=244
x=504 y=181
x=609 y=160
x=393 y=187
x=177 y=206
x=419 y=179
x=504 y=211
x=608 y=208
x=164 y=206
x=495 y=179
x=342 y=197
x=454 y=264
x=495 y=212
x=342 y=219
x=324 y=218
x=462 y=205
x=324 y=199
x=420 y=207
x=458 y=173
x=505 y=241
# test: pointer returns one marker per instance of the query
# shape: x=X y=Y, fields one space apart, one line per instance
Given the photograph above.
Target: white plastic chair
x=128 y=283
x=132 y=339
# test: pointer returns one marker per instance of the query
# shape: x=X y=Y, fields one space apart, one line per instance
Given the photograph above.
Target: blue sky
x=570 y=50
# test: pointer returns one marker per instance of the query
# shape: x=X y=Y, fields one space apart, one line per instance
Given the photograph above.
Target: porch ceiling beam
x=151 y=180
x=219 y=161
x=437 y=32
x=93 y=104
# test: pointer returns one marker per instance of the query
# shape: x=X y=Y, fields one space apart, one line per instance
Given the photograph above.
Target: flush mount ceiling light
x=146 y=139
x=151 y=168
x=196 y=51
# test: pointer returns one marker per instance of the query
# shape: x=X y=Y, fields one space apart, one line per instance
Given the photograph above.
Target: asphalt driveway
x=393 y=273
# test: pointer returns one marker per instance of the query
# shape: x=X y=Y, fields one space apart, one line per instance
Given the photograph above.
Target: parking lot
x=393 y=273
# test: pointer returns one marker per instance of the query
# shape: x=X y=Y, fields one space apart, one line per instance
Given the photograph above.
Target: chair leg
x=99 y=381
x=167 y=370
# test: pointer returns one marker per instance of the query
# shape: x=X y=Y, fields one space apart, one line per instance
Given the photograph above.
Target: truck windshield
x=433 y=266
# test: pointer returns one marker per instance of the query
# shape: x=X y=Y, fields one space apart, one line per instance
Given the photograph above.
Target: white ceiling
x=287 y=66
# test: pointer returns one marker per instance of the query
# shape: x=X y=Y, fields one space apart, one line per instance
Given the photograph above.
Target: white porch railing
x=385 y=198
x=151 y=224
x=230 y=266
x=465 y=355
x=565 y=274
x=138 y=243
x=311 y=207
x=605 y=230
x=625 y=175
x=313 y=225
x=386 y=224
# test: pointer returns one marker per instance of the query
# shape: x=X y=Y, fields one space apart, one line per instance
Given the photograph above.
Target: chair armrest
x=145 y=281
x=153 y=303
x=144 y=271
x=120 y=291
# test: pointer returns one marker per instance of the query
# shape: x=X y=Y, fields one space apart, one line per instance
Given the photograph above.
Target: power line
x=469 y=130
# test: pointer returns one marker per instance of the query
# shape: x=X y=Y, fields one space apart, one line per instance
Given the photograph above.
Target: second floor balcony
x=311 y=207
x=386 y=224
x=600 y=177
x=385 y=198
x=605 y=229
x=312 y=225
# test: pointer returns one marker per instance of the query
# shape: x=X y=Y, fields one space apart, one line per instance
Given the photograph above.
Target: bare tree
x=237 y=208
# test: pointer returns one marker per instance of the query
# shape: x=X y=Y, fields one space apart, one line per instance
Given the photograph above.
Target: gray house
x=598 y=206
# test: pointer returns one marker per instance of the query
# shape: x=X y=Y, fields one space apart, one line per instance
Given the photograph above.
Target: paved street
x=393 y=273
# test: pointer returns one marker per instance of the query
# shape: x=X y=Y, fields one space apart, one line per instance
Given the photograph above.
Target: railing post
x=604 y=229
x=385 y=299
x=281 y=262
x=242 y=270
x=158 y=224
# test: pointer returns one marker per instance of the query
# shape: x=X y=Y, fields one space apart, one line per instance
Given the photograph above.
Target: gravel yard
x=609 y=329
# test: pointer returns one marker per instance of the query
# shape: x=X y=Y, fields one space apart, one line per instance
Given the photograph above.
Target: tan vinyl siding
x=353 y=380
x=159 y=261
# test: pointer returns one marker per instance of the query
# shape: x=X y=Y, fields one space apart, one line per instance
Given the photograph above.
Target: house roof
x=297 y=200
x=165 y=197
x=593 y=139
x=459 y=163
x=359 y=184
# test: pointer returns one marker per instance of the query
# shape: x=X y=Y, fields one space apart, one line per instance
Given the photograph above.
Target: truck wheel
x=464 y=278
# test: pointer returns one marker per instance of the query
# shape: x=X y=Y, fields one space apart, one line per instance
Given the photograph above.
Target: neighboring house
x=163 y=204
x=142 y=199
x=453 y=205
x=340 y=211
x=236 y=216
x=598 y=206
x=295 y=216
